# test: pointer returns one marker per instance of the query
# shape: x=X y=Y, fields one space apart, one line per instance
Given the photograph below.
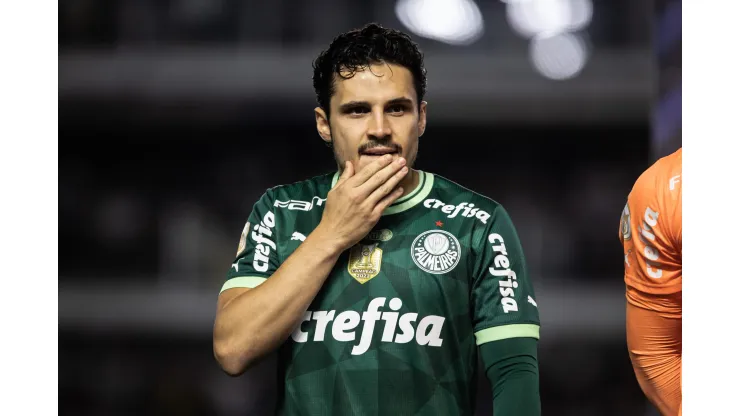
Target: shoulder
x=307 y=190
x=655 y=202
x=657 y=192
x=452 y=193
x=662 y=179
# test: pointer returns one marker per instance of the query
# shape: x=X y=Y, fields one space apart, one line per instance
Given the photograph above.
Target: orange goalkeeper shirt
x=650 y=232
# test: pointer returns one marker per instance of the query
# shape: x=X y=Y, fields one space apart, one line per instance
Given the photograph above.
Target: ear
x=422 y=123
x=322 y=124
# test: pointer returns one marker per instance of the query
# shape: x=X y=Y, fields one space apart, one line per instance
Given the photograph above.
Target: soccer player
x=380 y=284
x=650 y=232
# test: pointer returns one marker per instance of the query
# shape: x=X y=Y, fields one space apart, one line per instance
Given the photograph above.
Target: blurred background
x=175 y=116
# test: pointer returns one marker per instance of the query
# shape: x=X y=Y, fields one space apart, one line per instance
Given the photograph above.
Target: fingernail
x=401 y=161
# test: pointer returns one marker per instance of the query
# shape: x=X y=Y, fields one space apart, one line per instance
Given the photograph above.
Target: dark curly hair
x=358 y=49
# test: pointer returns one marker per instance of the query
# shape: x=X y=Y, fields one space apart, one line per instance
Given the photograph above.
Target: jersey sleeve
x=502 y=295
x=650 y=233
x=513 y=369
x=257 y=257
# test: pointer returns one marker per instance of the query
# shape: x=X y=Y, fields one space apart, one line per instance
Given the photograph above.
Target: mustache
x=370 y=145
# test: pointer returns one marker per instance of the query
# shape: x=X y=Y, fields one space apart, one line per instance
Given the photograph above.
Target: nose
x=379 y=126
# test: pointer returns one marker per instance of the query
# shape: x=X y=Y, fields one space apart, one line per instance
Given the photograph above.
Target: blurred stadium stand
x=175 y=116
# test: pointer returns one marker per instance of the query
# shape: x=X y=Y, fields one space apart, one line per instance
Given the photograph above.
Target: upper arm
x=650 y=232
x=502 y=294
x=512 y=368
x=257 y=257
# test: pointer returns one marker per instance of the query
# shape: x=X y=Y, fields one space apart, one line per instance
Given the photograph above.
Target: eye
x=396 y=109
x=354 y=111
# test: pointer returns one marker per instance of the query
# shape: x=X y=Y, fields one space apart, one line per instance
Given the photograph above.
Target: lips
x=379 y=151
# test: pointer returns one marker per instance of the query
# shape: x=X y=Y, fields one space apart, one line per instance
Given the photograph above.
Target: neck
x=410 y=182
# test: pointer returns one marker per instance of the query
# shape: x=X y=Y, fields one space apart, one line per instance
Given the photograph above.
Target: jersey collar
x=422 y=190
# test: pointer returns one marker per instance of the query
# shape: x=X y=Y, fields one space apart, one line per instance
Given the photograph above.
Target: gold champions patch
x=364 y=261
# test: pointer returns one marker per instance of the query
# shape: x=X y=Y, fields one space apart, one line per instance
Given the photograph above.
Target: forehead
x=379 y=82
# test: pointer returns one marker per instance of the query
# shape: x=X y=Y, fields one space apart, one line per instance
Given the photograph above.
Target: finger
x=387 y=187
x=349 y=170
x=388 y=200
x=371 y=170
x=380 y=179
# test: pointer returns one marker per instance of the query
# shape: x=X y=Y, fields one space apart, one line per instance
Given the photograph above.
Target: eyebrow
x=352 y=104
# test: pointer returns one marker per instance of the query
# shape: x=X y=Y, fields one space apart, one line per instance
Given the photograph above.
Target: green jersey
x=394 y=329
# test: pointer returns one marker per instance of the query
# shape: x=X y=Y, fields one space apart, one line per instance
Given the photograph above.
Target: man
x=379 y=284
x=650 y=232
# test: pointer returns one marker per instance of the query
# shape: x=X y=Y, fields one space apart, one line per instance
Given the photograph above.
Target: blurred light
x=456 y=22
x=532 y=17
x=560 y=56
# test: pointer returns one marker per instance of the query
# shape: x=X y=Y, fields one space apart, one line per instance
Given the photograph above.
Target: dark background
x=176 y=115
